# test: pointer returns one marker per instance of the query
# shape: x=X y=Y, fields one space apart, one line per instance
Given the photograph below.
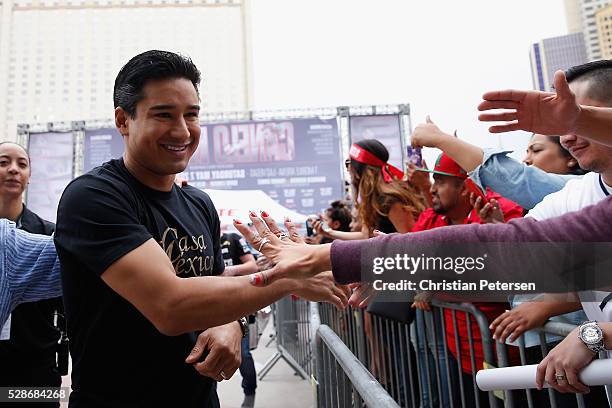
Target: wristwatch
x=244 y=326
x=592 y=336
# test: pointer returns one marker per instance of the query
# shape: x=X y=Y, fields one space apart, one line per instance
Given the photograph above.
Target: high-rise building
x=553 y=54
x=573 y=16
x=604 y=30
x=588 y=10
x=59 y=58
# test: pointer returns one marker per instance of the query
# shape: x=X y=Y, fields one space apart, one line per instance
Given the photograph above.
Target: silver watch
x=592 y=336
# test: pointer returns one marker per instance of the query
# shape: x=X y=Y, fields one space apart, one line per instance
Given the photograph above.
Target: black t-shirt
x=119 y=358
x=233 y=246
x=28 y=358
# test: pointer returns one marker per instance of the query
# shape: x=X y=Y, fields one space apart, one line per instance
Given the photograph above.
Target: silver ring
x=283 y=235
x=263 y=242
x=560 y=377
x=222 y=374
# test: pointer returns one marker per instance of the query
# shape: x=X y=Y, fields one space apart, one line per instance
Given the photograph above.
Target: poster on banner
x=52 y=155
x=384 y=128
x=296 y=162
x=101 y=145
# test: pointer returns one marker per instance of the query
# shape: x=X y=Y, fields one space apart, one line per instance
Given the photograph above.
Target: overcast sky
x=437 y=55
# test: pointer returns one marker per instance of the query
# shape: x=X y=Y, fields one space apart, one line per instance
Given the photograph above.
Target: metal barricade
x=381 y=346
x=455 y=382
x=342 y=380
x=293 y=337
x=413 y=362
x=433 y=361
x=547 y=398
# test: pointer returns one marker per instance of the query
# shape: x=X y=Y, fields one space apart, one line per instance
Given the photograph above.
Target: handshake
x=288 y=256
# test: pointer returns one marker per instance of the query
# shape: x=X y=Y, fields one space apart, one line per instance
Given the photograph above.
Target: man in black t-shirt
x=240 y=261
x=28 y=357
x=140 y=256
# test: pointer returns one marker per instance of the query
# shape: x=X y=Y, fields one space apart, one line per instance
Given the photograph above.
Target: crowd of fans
x=560 y=173
x=147 y=257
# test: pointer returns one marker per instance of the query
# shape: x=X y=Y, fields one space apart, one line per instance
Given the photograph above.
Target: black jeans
x=247 y=369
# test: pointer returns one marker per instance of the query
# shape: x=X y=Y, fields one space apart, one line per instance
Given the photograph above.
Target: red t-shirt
x=429 y=219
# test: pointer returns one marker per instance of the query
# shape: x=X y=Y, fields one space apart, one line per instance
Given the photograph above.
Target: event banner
x=51 y=171
x=384 y=128
x=101 y=145
x=296 y=162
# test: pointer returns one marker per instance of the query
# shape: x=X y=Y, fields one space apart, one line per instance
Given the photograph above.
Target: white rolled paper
x=599 y=372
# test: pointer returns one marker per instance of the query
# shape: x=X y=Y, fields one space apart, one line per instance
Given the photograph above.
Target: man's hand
x=513 y=323
x=538 y=112
x=323 y=288
x=561 y=366
x=363 y=292
x=427 y=135
x=422 y=300
x=488 y=212
x=223 y=346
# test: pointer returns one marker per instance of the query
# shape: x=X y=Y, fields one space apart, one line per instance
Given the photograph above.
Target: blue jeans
x=247 y=368
x=433 y=352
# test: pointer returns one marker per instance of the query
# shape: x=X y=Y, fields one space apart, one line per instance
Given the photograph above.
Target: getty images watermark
x=474 y=271
x=459 y=265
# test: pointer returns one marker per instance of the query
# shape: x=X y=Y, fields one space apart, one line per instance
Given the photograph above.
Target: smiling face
x=164 y=132
x=14 y=170
x=591 y=156
x=547 y=155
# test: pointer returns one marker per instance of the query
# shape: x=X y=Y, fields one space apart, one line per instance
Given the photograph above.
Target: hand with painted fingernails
x=293 y=259
x=291 y=256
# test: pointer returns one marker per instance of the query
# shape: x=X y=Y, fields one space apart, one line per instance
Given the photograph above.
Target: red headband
x=363 y=156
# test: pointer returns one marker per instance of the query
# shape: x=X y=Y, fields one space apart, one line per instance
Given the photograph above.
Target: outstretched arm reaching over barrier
x=345 y=258
x=547 y=113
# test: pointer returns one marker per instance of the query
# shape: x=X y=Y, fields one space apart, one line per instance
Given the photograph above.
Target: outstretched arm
x=466 y=155
x=547 y=113
x=349 y=258
x=526 y=185
x=177 y=305
x=29 y=268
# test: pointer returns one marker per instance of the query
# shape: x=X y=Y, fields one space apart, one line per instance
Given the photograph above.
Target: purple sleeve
x=346 y=260
x=591 y=224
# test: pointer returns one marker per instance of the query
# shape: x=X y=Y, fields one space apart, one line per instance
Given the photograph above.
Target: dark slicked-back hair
x=150 y=65
x=598 y=74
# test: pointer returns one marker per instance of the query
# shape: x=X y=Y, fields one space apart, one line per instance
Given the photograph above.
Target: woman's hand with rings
x=292 y=257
